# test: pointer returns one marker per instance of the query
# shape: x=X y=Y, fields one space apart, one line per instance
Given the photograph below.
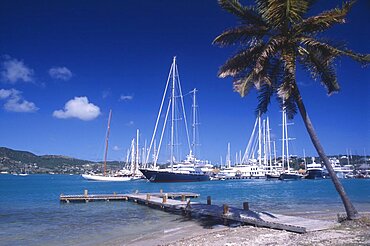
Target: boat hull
x=157 y=176
x=289 y=176
x=314 y=174
x=272 y=176
x=105 y=178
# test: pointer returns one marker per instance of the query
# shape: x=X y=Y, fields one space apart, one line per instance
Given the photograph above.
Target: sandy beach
x=347 y=233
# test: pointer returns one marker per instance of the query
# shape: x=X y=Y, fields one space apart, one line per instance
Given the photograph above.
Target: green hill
x=16 y=161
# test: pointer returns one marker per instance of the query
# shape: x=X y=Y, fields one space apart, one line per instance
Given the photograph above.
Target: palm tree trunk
x=350 y=209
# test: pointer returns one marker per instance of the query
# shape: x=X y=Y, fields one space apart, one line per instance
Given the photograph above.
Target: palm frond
x=289 y=105
x=243 y=84
x=264 y=98
x=240 y=61
x=324 y=20
x=321 y=67
x=247 y=34
x=272 y=76
x=313 y=43
x=248 y=15
x=272 y=47
x=278 y=13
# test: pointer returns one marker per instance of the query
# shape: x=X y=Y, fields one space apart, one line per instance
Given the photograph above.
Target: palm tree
x=274 y=37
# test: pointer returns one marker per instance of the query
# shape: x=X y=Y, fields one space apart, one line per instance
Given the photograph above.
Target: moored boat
x=106 y=178
x=189 y=170
x=162 y=175
x=314 y=170
x=290 y=176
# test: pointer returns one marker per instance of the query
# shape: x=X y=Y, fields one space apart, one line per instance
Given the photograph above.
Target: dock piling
x=86 y=193
x=209 y=202
x=225 y=209
x=246 y=205
x=165 y=198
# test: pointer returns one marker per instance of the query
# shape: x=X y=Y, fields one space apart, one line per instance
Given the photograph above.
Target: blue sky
x=64 y=64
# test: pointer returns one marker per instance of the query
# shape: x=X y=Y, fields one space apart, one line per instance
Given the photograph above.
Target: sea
x=31 y=214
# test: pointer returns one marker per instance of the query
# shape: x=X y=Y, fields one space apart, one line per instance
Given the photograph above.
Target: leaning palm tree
x=274 y=37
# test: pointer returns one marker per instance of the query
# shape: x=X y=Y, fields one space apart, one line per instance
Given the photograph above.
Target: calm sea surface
x=30 y=212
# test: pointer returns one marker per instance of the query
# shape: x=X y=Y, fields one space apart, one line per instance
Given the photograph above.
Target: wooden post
x=114 y=193
x=147 y=198
x=246 y=205
x=164 y=198
x=183 y=197
x=226 y=209
x=209 y=202
x=86 y=192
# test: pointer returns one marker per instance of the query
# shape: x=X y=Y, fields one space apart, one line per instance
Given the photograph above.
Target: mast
x=259 y=141
x=287 y=142
x=194 y=125
x=283 y=137
x=133 y=156
x=106 y=143
x=275 y=154
x=137 y=151
x=264 y=144
x=228 y=161
x=172 y=112
x=269 y=143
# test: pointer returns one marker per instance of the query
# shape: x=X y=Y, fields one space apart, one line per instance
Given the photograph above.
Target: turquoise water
x=31 y=214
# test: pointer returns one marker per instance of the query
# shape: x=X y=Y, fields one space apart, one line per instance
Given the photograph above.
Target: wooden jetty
x=179 y=202
x=86 y=197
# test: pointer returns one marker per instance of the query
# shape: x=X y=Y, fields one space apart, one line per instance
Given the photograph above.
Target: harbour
x=40 y=217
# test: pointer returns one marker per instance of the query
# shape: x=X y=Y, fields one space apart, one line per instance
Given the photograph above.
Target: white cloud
x=126 y=98
x=6 y=93
x=116 y=148
x=106 y=93
x=61 y=73
x=79 y=108
x=130 y=123
x=15 y=102
x=13 y=70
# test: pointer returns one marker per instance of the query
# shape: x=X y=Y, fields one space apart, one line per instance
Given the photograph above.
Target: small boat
x=314 y=170
x=104 y=176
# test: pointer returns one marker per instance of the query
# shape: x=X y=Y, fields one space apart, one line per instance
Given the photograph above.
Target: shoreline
x=347 y=233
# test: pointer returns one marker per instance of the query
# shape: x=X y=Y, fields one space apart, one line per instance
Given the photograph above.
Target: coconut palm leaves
x=278 y=30
x=274 y=37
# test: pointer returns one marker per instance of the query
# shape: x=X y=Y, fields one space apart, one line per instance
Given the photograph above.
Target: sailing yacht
x=188 y=170
x=287 y=173
x=104 y=176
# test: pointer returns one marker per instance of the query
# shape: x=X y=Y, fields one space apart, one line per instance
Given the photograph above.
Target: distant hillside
x=11 y=157
x=16 y=161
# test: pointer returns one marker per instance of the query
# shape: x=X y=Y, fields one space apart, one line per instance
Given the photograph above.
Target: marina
x=40 y=217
